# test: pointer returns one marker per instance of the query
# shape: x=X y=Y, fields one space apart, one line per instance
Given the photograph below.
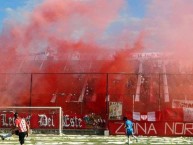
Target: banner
x=136 y=116
x=88 y=121
x=151 y=116
x=115 y=110
x=35 y=120
x=147 y=116
x=182 y=103
x=147 y=55
x=51 y=121
x=153 y=128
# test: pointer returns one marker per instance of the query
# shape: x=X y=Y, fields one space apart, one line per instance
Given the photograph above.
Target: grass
x=52 y=139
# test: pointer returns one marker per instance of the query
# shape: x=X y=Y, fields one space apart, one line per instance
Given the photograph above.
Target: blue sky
x=7 y=5
x=158 y=20
x=136 y=8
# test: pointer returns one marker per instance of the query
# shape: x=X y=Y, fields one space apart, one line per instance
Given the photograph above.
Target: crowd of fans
x=120 y=86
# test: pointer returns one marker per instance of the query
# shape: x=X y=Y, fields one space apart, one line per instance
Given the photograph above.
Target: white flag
x=136 y=116
x=151 y=116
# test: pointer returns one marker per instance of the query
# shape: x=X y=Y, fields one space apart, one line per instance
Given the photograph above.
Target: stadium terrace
x=95 y=92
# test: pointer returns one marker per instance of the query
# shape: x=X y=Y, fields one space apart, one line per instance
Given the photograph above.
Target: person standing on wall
x=129 y=129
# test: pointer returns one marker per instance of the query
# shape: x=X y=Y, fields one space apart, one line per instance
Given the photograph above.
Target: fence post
x=106 y=132
x=31 y=90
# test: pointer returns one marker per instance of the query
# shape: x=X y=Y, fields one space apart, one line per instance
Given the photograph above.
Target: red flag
x=171 y=114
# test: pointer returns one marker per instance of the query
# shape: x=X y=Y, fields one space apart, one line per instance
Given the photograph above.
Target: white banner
x=136 y=116
x=151 y=116
x=147 y=55
x=182 y=103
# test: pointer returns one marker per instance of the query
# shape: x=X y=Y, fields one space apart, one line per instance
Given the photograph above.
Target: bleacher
x=79 y=85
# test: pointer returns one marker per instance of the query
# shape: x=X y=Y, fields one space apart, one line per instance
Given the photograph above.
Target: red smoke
x=57 y=30
x=170 y=27
x=60 y=36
